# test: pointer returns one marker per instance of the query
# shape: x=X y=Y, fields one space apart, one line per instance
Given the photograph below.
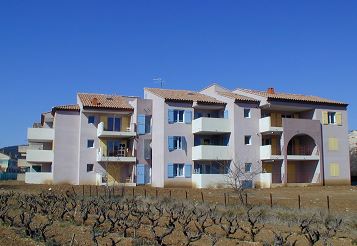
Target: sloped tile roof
x=237 y=97
x=104 y=101
x=69 y=107
x=183 y=95
x=292 y=97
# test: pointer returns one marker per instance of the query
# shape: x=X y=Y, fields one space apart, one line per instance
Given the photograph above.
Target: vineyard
x=71 y=218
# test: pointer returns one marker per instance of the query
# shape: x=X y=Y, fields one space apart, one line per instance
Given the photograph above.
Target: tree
x=240 y=179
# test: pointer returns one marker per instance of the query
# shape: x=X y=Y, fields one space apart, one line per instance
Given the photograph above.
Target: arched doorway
x=302 y=156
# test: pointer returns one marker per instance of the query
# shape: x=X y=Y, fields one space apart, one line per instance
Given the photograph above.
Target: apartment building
x=184 y=138
x=95 y=141
x=299 y=139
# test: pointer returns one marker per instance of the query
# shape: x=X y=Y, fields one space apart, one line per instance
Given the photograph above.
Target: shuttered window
x=333 y=144
x=334 y=169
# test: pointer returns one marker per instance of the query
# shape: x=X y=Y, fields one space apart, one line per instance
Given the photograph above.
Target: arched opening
x=302 y=160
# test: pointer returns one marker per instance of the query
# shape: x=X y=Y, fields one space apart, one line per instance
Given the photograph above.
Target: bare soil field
x=230 y=224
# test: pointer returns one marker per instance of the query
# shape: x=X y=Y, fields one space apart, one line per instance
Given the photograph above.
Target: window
x=248 y=167
x=91 y=119
x=331 y=117
x=246 y=113
x=178 y=170
x=178 y=115
x=333 y=144
x=288 y=116
x=90 y=143
x=113 y=124
x=334 y=169
x=177 y=142
x=248 y=140
x=90 y=168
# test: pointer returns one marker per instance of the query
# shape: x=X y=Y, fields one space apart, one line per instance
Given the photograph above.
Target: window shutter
x=170 y=170
x=225 y=114
x=171 y=143
x=188 y=170
x=325 y=118
x=171 y=116
x=334 y=169
x=188 y=116
x=339 y=118
x=184 y=143
x=141 y=124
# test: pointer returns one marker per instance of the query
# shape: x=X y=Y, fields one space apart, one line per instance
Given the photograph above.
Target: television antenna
x=159 y=80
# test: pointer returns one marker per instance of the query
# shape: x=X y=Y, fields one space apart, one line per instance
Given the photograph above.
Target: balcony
x=266 y=153
x=130 y=132
x=117 y=157
x=302 y=153
x=211 y=152
x=38 y=178
x=265 y=126
x=40 y=156
x=209 y=180
x=40 y=134
x=205 y=125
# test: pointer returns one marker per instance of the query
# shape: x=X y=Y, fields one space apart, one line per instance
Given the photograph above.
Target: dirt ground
x=343 y=199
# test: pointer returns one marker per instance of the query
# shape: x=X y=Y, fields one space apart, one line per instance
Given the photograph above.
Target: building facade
x=183 y=138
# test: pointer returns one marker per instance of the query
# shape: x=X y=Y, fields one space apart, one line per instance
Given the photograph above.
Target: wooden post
x=145 y=193
x=203 y=200
x=170 y=194
x=133 y=193
x=271 y=200
x=82 y=190
x=96 y=190
x=186 y=194
x=328 y=203
x=299 y=201
x=246 y=198
x=156 y=193
x=113 y=191
x=225 y=199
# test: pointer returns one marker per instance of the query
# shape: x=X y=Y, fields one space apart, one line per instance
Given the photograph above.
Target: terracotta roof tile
x=291 y=97
x=237 y=97
x=183 y=95
x=104 y=101
x=69 y=107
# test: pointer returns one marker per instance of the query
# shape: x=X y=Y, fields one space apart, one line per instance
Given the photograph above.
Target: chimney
x=271 y=90
x=95 y=101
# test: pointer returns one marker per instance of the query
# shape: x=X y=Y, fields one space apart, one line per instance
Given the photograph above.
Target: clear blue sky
x=49 y=50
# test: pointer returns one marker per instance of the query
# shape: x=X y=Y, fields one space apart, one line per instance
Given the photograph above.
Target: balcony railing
x=129 y=131
x=209 y=180
x=211 y=152
x=266 y=153
x=210 y=125
x=265 y=126
x=116 y=156
x=39 y=156
x=40 y=134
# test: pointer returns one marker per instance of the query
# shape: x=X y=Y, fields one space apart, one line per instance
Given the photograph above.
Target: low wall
x=209 y=180
x=38 y=178
x=262 y=180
